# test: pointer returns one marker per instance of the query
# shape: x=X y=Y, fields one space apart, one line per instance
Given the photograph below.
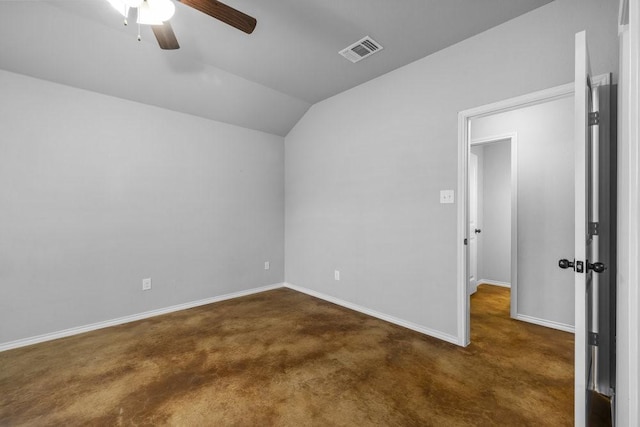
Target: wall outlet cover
x=446 y=196
x=267 y=265
x=146 y=284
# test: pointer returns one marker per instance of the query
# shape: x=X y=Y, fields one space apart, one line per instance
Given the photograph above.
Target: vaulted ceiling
x=266 y=80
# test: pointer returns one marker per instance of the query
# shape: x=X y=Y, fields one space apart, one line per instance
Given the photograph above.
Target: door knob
x=477 y=231
x=565 y=263
x=597 y=267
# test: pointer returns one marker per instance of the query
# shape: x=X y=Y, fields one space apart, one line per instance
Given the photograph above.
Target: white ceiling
x=264 y=81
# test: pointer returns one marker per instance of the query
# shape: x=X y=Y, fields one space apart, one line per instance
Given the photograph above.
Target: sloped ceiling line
x=264 y=81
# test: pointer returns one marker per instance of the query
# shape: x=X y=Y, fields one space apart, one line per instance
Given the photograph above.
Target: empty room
x=319 y=213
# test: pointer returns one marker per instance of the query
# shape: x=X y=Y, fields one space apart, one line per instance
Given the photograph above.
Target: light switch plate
x=446 y=196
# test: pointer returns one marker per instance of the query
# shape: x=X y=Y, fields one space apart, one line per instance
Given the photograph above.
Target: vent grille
x=361 y=49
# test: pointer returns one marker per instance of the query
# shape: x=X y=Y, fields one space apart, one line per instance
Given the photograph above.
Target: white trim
x=582 y=74
x=514 y=103
x=514 y=226
x=132 y=318
x=494 y=139
x=152 y=313
x=601 y=80
x=623 y=322
x=634 y=211
x=494 y=283
x=546 y=323
x=387 y=318
x=462 y=256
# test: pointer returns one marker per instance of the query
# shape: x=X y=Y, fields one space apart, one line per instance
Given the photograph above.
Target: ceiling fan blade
x=165 y=36
x=224 y=13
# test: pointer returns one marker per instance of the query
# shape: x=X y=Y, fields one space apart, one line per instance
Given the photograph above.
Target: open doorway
x=543 y=196
x=546 y=221
x=544 y=193
x=541 y=208
x=493 y=213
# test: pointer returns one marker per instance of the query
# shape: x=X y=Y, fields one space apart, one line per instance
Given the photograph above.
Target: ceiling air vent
x=361 y=49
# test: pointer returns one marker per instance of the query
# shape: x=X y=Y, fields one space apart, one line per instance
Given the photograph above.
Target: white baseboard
x=391 y=319
x=546 y=323
x=147 y=314
x=132 y=318
x=494 y=283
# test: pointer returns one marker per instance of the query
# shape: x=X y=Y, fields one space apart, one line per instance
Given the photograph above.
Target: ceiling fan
x=157 y=14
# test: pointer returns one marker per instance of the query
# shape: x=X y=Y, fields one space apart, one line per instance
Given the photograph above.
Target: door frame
x=512 y=139
x=464 y=127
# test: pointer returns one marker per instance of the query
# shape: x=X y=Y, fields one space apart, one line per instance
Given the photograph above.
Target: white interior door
x=473 y=222
x=586 y=208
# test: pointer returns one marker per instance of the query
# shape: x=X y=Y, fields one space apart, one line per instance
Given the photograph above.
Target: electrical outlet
x=146 y=284
x=336 y=275
x=267 y=265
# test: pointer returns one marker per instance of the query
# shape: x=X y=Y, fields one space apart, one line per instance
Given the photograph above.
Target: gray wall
x=545 y=204
x=364 y=169
x=496 y=213
x=97 y=193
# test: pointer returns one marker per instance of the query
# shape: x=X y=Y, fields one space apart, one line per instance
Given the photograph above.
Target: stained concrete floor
x=283 y=358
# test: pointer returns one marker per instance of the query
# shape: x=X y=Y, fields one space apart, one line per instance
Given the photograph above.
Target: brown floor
x=285 y=358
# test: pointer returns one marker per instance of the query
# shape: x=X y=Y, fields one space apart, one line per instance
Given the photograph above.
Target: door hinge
x=465 y=242
x=594 y=118
x=594 y=339
x=594 y=228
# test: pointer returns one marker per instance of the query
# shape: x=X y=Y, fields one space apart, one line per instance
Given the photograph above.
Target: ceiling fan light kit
x=150 y=12
x=162 y=10
x=157 y=14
